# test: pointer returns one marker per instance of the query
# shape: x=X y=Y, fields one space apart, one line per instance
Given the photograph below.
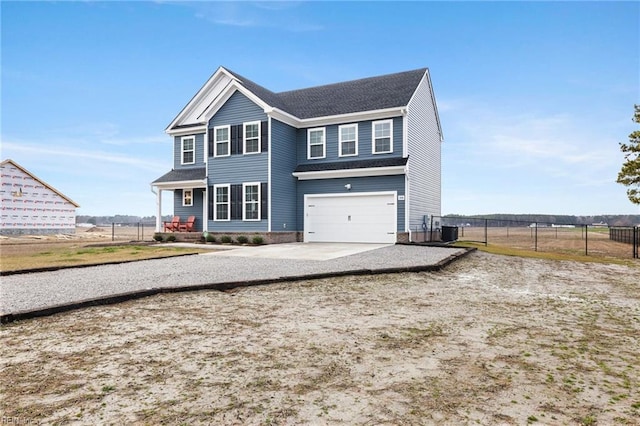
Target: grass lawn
x=35 y=256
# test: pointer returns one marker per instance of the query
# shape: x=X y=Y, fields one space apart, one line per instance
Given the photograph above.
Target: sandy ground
x=490 y=340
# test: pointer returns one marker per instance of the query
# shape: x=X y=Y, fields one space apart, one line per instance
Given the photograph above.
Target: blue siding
x=199 y=151
x=283 y=184
x=237 y=110
x=238 y=226
x=364 y=143
x=185 y=212
x=362 y=184
x=237 y=169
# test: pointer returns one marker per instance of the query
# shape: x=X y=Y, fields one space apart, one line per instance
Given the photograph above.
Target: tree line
x=525 y=219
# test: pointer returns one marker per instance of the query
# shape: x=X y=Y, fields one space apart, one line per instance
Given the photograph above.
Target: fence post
x=536 y=237
x=113 y=231
x=586 y=240
x=486 y=239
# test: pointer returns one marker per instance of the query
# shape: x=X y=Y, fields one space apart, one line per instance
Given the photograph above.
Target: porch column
x=159 y=210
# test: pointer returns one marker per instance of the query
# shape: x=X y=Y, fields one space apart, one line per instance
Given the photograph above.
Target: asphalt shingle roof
x=366 y=94
x=181 y=175
x=356 y=164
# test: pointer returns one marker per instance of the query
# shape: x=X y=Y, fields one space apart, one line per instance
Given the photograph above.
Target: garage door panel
x=352 y=218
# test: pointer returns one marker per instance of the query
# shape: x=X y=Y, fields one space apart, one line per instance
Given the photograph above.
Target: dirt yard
x=490 y=340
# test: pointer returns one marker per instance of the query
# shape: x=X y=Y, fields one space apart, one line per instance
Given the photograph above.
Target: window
x=187 y=197
x=315 y=143
x=251 y=201
x=252 y=138
x=348 y=137
x=382 y=139
x=221 y=141
x=222 y=205
x=188 y=150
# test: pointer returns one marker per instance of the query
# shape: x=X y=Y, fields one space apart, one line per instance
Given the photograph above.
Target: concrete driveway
x=300 y=251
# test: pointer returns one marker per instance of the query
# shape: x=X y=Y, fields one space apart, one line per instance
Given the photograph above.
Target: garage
x=350 y=218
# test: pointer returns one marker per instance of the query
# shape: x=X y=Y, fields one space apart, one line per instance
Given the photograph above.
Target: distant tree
x=630 y=173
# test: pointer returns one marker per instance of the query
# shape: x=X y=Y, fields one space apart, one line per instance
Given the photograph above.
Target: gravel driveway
x=35 y=291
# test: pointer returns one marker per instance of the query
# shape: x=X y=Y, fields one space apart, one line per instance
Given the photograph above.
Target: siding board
x=364 y=143
x=283 y=184
x=237 y=168
x=424 y=149
x=199 y=152
x=185 y=212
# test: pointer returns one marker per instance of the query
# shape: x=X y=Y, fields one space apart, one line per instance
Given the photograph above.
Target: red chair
x=188 y=225
x=173 y=225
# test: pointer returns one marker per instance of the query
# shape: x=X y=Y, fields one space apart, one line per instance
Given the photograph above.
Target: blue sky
x=534 y=97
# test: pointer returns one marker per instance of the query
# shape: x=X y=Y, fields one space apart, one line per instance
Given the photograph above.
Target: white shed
x=31 y=206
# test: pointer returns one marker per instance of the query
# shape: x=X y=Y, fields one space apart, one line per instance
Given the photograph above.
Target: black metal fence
x=564 y=238
x=627 y=235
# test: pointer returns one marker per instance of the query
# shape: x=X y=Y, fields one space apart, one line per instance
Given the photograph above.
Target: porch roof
x=189 y=177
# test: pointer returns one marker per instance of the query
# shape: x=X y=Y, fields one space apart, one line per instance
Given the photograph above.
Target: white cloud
x=278 y=15
x=64 y=153
x=496 y=160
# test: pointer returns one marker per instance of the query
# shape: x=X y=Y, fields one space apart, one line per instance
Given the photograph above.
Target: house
x=31 y=206
x=356 y=161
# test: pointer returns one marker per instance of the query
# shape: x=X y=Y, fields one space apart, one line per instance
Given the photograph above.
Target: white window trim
x=215 y=202
x=244 y=138
x=373 y=136
x=340 y=141
x=184 y=197
x=324 y=143
x=182 y=150
x=244 y=201
x=215 y=141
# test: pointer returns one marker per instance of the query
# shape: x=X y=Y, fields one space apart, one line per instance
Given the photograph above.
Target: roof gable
x=34 y=177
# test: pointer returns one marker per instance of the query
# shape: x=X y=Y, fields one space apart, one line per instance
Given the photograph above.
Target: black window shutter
x=234 y=140
x=212 y=197
x=264 y=136
x=240 y=138
x=264 y=201
x=236 y=202
x=210 y=143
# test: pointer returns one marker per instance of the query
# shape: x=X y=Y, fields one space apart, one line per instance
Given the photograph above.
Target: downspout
x=407 y=183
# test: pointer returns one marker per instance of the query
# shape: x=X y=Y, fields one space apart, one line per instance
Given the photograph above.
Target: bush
x=257 y=240
x=171 y=238
x=242 y=239
x=209 y=238
x=157 y=237
x=225 y=239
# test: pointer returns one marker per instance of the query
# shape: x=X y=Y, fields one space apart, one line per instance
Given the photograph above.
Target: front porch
x=189 y=196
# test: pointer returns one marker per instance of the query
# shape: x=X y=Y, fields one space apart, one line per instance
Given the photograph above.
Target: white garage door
x=352 y=218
